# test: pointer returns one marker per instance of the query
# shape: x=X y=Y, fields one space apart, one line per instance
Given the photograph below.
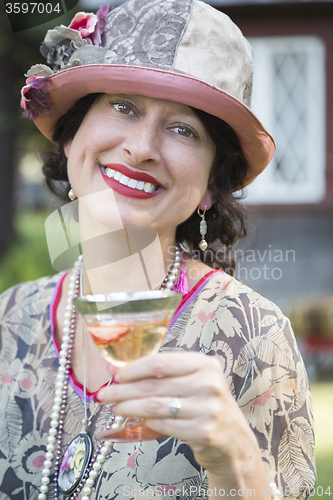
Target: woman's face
x=154 y=154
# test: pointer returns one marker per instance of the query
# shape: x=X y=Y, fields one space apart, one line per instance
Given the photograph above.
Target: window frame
x=265 y=189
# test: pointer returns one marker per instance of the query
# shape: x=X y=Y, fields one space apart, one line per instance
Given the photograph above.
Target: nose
x=142 y=143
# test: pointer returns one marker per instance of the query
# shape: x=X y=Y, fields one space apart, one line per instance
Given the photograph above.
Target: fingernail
x=99 y=396
x=116 y=379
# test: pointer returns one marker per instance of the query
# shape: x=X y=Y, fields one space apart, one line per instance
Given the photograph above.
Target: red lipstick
x=132 y=174
x=125 y=190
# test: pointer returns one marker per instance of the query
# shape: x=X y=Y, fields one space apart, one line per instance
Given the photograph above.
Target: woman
x=151 y=100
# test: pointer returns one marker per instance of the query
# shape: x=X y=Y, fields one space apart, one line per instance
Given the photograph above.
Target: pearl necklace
x=60 y=398
x=170 y=278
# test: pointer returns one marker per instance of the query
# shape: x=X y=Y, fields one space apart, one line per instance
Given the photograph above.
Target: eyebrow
x=183 y=108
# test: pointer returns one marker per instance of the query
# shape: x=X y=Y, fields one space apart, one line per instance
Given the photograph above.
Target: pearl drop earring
x=203 y=229
x=71 y=195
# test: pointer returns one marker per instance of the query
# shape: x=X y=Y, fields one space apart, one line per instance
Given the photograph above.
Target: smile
x=146 y=187
x=130 y=183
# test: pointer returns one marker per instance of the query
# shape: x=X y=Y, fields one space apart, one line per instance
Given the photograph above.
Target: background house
x=291 y=204
x=290 y=251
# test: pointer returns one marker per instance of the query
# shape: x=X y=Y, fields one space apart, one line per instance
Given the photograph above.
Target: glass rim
x=120 y=302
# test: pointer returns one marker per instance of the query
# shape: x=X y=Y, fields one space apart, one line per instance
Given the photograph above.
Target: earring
x=71 y=194
x=203 y=230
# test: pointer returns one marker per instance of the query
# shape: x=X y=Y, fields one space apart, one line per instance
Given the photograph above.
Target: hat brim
x=68 y=86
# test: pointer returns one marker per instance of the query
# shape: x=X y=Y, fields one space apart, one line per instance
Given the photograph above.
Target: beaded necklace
x=93 y=462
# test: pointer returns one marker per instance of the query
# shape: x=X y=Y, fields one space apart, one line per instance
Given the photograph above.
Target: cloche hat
x=181 y=50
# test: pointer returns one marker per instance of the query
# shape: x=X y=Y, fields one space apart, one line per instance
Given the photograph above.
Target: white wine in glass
x=125 y=327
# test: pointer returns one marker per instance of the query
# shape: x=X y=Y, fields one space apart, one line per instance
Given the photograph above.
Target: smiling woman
x=144 y=140
x=148 y=106
x=227 y=172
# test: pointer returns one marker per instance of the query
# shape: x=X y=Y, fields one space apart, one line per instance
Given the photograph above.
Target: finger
x=116 y=393
x=195 y=431
x=179 y=408
x=205 y=382
x=163 y=365
x=156 y=407
x=112 y=369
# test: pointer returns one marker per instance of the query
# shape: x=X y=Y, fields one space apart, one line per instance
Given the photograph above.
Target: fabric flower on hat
x=61 y=42
x=96 y=36
x=91 y=26
x=84 y=23
x=32 y=96
x=65 y=47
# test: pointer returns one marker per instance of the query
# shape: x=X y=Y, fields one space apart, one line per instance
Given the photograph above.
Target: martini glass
x=124 y=327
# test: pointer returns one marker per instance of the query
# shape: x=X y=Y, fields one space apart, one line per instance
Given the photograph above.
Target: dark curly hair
x=225 y=219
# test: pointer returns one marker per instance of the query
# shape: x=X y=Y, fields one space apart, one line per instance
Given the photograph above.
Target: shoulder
x=224 y=295
x=25 y=321
x=31 y=295
x=222 y=313
x=248 y=331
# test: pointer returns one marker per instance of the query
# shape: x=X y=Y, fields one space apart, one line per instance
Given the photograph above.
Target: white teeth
x=117 y=176
x=147 y=187
x=124 y=180
x=132 y=183
x=110 y=172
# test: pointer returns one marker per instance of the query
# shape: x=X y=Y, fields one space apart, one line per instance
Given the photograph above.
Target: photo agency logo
x=24 y=15
x=268 y=263
x=116 y=258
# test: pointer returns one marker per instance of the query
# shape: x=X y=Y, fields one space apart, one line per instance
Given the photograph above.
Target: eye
x=185 y=131
x=126 y=108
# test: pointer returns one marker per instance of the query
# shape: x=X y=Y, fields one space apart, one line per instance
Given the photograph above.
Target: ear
x=67 y=148
x=209 y=199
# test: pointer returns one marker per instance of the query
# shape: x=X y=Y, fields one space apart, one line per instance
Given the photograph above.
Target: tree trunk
x=8 y=122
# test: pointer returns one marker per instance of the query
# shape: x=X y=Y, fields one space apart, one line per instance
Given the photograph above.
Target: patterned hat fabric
x=180 y=50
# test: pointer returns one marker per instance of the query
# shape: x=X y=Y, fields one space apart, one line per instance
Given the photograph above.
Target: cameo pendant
x=74 y=463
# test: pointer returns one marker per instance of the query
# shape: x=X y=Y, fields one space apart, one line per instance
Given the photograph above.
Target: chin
x=99 y=210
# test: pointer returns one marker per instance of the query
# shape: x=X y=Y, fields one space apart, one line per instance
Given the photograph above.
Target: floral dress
x=220 y=317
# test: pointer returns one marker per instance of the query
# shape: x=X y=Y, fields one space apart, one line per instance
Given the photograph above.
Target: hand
x=209 y=419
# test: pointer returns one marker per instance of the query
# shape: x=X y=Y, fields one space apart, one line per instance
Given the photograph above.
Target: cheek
x=95 y=132
x=75 y=160
x=86 y=144
x=196 y=171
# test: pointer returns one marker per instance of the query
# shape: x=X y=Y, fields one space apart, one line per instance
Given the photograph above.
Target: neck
x=123 y=258
x=132 y=260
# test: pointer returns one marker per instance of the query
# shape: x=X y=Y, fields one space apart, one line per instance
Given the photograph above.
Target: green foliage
x=28 y=257
x=322 y=395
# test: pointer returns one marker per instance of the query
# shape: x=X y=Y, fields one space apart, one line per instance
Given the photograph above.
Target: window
x=289 y=99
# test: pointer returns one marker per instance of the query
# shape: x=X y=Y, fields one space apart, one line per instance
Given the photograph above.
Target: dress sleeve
x=271 y=387
x=265 y=372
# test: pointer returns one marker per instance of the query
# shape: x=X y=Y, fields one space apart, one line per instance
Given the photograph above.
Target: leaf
x=193 y=489
x=229 y=324
x=10 y=428
x=91 y=54
x=245 y=360
x=268 y=320
x=9 y=347
x=296 y=441
x=39 y=70
x=225 y=356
